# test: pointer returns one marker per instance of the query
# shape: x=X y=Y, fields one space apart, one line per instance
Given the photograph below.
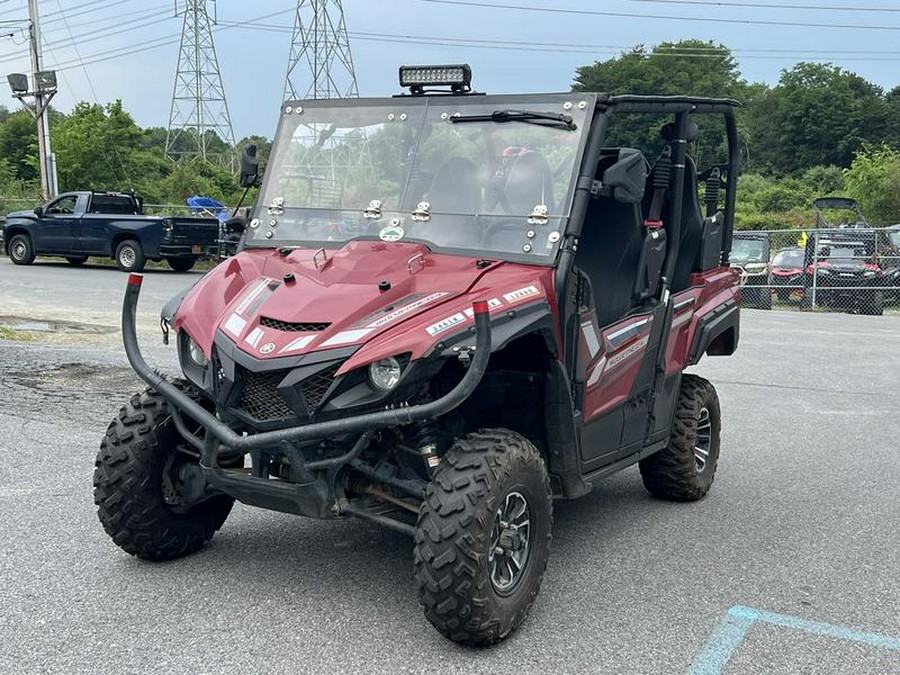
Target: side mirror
x=39 y=211
x=625 y=180
x=250 y=167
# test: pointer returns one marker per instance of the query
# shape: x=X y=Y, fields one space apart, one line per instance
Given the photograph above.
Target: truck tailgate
x=202 y=231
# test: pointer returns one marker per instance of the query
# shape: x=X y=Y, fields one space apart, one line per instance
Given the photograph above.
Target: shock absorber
x=430 y=440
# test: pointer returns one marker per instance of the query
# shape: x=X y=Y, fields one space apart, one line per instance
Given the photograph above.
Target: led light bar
x=416 y=78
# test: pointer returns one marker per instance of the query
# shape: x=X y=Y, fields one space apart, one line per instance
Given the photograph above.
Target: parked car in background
x=786 y=274
x=77 y=225
x=750 y=256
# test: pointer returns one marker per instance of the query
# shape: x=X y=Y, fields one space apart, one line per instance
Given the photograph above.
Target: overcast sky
x=130 y=47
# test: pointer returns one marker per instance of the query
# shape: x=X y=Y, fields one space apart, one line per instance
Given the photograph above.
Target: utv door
x=620 y=324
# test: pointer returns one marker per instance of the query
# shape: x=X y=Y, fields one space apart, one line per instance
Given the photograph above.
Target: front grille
x=260 y=398
x=288 y=327
x=316 y=386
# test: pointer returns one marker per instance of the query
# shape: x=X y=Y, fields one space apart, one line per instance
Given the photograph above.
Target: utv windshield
x=749 y=250
x=788 y=259
x=492 y=176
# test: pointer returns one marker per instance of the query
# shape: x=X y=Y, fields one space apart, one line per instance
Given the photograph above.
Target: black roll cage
x=682 y=107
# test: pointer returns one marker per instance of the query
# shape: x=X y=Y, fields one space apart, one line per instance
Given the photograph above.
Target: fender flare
x=717 y=333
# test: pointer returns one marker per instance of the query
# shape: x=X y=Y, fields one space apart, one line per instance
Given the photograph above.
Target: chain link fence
x=855 y=270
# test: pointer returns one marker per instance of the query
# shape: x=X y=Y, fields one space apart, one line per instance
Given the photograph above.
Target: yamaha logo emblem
x=266 y=348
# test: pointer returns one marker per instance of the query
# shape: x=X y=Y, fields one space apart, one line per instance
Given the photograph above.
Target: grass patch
x=16 y=335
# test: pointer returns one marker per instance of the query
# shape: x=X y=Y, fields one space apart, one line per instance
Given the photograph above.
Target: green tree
x=688 y=67
x=819 y=114
x=873 y=179
x=18 y=144
x=96 y=147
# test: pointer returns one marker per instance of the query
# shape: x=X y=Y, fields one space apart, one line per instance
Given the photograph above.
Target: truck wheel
x=76 y=260
x=136 y=485
x=765 y=297
x=181 y=264
x=784 y=294
x=483 y=537
x=684 y=470
x=20 y=250
x=130 y=256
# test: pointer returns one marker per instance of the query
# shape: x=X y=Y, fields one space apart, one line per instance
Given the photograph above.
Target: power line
x=763 y=5
x=576 y=48
x=153 y=43
x=100 y=33
x=635 y=15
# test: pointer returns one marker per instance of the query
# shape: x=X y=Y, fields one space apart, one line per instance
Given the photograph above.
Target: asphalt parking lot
x=789 y=566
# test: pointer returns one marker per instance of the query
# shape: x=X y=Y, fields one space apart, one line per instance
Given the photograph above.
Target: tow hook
x=464 y=354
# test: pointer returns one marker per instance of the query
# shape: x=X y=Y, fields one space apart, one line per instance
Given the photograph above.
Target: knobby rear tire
x=673 y=473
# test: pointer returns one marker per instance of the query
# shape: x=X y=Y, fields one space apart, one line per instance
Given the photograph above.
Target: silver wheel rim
x=510 y=543
x=19 y=249
x=704 y=440
x=127 y=256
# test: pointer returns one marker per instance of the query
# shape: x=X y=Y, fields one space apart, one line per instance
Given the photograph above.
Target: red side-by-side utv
x=446 y=311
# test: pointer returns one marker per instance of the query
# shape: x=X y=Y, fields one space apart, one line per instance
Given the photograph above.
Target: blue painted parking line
x=732 y=631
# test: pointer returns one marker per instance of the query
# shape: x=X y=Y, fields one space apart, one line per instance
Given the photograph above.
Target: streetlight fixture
x=18 y=83
x=46 y=81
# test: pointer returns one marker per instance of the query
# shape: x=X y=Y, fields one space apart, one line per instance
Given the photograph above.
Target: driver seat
x=529 y=182
x=455 y=188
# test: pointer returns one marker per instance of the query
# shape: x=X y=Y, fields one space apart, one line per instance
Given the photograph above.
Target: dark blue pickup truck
x=77 y=225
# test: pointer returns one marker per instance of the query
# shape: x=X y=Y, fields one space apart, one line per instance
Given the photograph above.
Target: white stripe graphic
x=597 y=372
x=235 y=325
x=590 y=336
x=299 y=343
x=347 y=336
x=253 y=338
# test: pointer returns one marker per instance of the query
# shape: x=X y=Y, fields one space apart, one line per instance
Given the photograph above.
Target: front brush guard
x=258 y=488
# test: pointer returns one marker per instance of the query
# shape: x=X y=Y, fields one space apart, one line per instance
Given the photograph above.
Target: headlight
x=755 y=267
x=869 y=273
x=196 y=354
x=385 y=374
x=823 y=272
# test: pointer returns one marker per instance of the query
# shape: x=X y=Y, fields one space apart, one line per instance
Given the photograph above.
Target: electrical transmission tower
x=320 y=41
x=199 y=110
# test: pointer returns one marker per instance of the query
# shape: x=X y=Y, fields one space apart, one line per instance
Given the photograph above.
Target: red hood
x=428 y=294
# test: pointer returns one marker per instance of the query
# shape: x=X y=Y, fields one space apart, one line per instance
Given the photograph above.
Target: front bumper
x=304 y=494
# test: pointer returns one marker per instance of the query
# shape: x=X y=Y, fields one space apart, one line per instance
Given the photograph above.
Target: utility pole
x=42 y=90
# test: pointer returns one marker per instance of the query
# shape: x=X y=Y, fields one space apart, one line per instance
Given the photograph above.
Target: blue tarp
x=198 y=205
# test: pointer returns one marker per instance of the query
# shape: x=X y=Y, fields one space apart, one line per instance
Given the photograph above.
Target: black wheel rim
x=704 y=440
x=510 y=543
